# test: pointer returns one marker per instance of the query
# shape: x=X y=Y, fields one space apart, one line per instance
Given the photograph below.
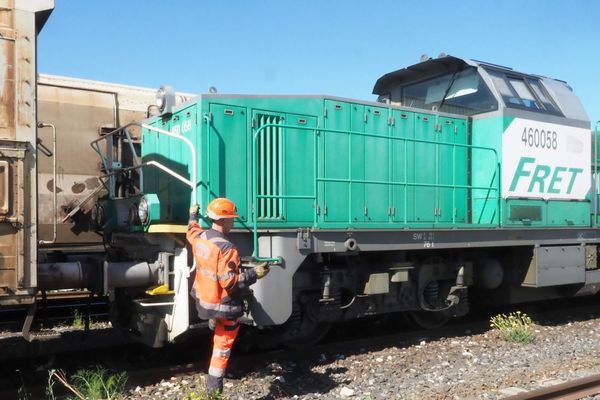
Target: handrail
x=193 y=183
x=316 y=130
x=104 y=160
x=192 y=151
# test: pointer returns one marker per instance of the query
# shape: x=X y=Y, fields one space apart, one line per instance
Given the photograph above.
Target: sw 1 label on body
x=543 y=160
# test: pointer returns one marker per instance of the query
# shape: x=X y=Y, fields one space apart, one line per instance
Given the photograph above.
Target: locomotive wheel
x=429 y=319
x=311 y=333
x=304 y=328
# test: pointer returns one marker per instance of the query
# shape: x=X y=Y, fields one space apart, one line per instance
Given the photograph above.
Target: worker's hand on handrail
x=261 y=269
x=194 y=211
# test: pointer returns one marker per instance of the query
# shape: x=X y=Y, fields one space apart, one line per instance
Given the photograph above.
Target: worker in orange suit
x=219 y=286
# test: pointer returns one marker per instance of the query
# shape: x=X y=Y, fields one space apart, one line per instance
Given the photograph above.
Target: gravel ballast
x=473 y=366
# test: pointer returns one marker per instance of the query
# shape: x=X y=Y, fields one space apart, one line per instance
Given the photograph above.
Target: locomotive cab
x=448 y=85
x=469 y=87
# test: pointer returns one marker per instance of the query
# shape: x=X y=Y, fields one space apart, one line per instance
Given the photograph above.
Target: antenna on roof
x=424 y=57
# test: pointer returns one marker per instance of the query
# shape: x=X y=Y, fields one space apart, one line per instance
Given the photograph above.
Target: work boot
x=214 y=386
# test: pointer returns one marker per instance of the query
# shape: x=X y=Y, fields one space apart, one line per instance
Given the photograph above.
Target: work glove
x=261 y=269
x=194 y=210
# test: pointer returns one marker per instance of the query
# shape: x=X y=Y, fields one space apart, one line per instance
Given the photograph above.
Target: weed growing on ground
x=50 y=386
x=91 y=384
x=78 y=321
x=201 y=395
x=516 y=327
x=22 y=391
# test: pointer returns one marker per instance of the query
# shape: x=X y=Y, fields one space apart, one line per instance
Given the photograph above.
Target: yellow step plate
x=158 y=290
x=167 y=228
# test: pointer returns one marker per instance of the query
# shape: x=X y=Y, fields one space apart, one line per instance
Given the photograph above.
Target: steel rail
x=572 y=390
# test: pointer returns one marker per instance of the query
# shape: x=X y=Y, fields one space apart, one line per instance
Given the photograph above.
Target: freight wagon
x=49 y=175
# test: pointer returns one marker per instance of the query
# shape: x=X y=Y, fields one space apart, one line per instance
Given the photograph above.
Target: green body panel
x=377 y=166
x=227 y=167
x=403 y=166
x=333 y=163
x=452 y=171
x=485 y=172
x=426 y=160
x=357 y=165
x=174 y=195
x=299 y=168
x=568 y=213
x=335 y=153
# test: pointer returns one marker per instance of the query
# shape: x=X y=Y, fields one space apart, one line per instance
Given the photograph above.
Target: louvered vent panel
x=270 y=179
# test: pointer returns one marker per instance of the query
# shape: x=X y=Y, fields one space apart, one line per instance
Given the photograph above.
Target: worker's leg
x=224 y=337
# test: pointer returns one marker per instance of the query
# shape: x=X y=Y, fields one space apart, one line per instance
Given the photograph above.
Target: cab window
x=462 y=92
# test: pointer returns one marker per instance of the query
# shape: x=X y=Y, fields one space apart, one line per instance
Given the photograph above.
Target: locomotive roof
x=429 y=67
x=435 y=66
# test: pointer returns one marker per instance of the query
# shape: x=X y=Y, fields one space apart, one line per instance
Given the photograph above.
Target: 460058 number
x=540 y=138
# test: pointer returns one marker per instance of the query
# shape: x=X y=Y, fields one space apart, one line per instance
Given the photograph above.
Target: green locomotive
x=464 y=183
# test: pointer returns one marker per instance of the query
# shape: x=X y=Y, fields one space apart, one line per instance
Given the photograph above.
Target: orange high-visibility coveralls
x=218 y=289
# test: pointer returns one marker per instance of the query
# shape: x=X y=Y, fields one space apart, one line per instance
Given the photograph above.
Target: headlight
x=160 y=99
x=142 y=210
x=165 y=99
x=133 y=217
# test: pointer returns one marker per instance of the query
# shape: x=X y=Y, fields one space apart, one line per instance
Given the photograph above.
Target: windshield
x=462 y=92
x=524 y=92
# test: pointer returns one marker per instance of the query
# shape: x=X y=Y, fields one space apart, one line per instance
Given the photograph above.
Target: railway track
x=178 y=361
x=146 y=366
x=54 y=308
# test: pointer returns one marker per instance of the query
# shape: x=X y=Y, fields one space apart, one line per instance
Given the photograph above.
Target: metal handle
x=55 y=192
x=5 y=193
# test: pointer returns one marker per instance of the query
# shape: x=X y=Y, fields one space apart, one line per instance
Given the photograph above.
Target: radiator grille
x=270 y=178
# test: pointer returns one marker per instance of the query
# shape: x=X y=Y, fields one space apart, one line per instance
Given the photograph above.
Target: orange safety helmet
x=221 y=208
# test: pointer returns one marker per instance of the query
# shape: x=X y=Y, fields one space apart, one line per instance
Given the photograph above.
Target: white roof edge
x=34 y=5
x=78 y=83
